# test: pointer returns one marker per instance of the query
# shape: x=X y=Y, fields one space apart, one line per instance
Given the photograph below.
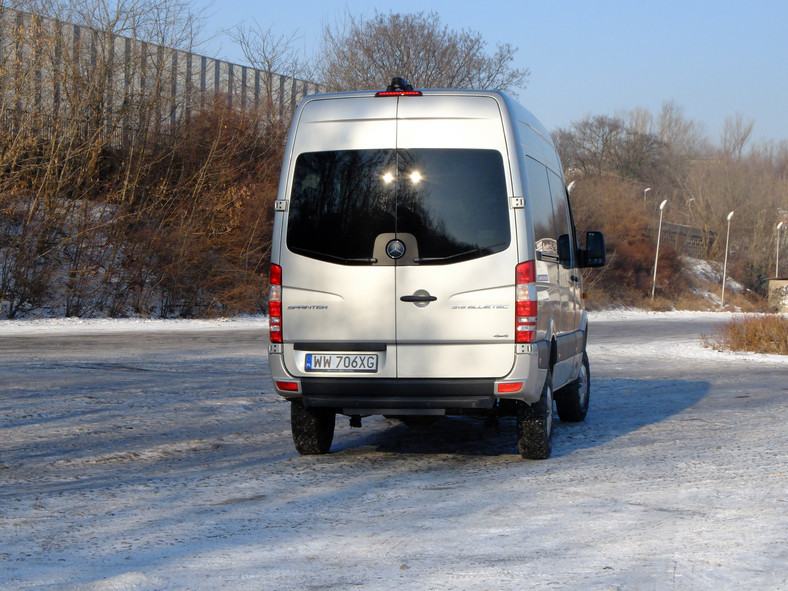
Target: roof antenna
x=399 y=84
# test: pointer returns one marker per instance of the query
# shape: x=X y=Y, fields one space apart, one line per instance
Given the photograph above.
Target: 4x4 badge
x=395 y=249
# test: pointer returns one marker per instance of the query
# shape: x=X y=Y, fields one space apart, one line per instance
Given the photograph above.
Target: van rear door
x=455 y=294
x=338 y=314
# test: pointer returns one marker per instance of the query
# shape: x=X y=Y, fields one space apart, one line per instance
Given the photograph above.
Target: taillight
x=275 y=305
x=525 y=303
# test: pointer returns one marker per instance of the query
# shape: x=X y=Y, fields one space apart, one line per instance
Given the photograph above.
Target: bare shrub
x=613 y=206
x=205 y=222
x=756 y=334
x=113 y=201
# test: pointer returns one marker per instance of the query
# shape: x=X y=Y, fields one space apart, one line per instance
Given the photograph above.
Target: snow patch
x=125 y=582
x=110 y=325
x=711 y=272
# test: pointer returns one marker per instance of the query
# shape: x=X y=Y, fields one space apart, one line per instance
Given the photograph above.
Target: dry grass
x=766 y=333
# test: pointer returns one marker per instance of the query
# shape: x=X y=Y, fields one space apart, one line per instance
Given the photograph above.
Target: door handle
x=418 y=298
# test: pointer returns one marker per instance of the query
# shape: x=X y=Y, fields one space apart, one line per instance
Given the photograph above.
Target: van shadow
x=618 y=407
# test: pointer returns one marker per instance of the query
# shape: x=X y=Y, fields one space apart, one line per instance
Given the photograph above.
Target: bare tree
x=639 y=120
x=272 y=53
x=735 y=135
x=589 y=146
x=172 y=23
x=607 y=145
x=681 y=136
x=364 y=53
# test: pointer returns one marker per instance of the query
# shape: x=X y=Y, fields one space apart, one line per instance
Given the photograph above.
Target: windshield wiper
x=324 y=255
x=479 y=250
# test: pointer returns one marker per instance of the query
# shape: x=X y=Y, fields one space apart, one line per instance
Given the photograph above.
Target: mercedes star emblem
x=395 y=249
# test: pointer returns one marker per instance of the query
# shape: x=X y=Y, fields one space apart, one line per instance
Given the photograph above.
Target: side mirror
x=594 y=254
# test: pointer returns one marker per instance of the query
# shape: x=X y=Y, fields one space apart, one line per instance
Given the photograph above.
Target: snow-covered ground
x=153 y=455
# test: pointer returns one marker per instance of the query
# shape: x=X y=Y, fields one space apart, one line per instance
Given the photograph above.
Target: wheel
x=535 y=425
x=571 y=401
x=313 y=428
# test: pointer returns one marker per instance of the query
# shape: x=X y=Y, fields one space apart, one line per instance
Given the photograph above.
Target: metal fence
x=50 y=70
x=687 y=240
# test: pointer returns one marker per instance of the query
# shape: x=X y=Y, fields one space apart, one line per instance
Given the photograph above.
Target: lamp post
x=646 y=190
x=725 y=265
x=656 y=256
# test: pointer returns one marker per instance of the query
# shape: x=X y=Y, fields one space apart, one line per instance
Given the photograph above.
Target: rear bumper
x=398 y=394
x=523 y=382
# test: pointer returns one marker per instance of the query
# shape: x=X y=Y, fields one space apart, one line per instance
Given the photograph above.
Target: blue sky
x=715 y=59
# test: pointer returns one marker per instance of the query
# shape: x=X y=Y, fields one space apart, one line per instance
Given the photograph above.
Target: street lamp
x=646 y=190
x=777 y=258
x=725 y=265
x=656 y=256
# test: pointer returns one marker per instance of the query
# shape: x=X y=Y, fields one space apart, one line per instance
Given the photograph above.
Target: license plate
x=356 y=362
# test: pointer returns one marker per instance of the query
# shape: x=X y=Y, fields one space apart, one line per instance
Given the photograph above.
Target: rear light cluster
x=275 y=305
x=525 y=303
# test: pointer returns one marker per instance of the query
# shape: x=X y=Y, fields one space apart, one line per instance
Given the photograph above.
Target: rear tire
x=313 y=428
x=535 y=424
x=571 y=401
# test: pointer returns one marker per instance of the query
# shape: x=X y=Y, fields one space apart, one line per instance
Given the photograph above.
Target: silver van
x=425 y=263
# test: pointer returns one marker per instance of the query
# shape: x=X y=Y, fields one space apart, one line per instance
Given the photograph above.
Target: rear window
x=454 y=202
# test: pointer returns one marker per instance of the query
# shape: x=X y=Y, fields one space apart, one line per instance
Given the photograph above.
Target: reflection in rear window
x=453 y=201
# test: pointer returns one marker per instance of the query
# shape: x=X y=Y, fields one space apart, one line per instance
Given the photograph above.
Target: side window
x=560 y=207
x=561 y=212
x=541 y=209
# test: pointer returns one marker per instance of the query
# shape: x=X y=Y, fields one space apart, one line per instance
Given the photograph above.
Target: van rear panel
x=370 y=177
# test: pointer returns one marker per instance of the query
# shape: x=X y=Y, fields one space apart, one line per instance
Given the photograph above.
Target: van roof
x=516 y=110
